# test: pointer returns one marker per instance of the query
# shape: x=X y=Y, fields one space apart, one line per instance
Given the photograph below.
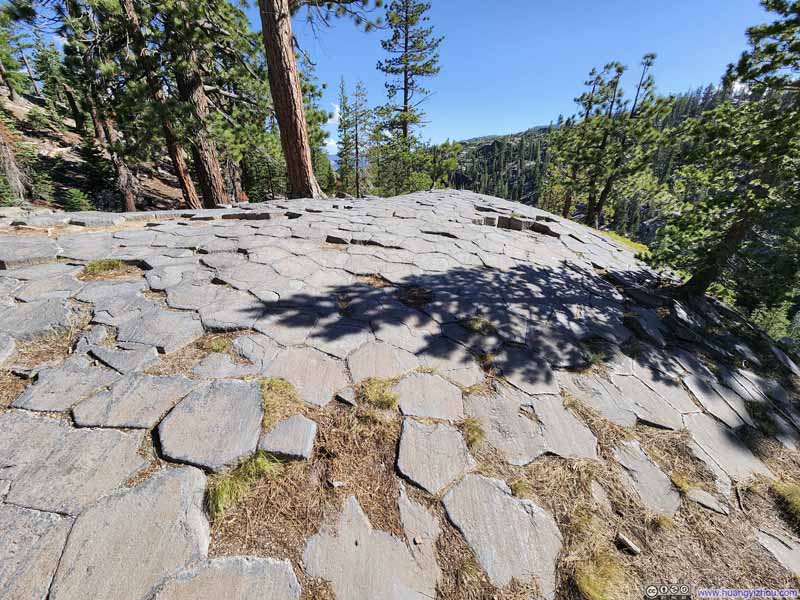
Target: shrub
x=77 y=201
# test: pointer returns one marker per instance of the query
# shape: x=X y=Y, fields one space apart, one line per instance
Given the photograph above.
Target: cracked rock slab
x=219 y=365
x=239 y=577
x=58 y=388
x=511 y=538
x=29 y=321
x=31 y=542
x=135 y=401
x=653 y=486
x=362 y=563
x=785 y=548
x=22 y=251
x=380 y=360
x=7 y=347
x=315 y=376
x=166 y=330
x=428 y=395
x=432 y=456
x=126 y=543
x=215 y=426
x=292 y=438
x=125 y=361
x=84 y=465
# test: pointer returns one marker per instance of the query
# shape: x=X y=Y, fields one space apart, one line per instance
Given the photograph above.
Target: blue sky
x=509 y=65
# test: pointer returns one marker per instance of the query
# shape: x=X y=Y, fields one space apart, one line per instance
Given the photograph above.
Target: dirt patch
x=354 y=455
x=11 y=387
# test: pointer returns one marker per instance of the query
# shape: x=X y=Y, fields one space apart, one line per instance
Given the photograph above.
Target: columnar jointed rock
x=364 y=564
x=31 y=543
x=20 y=251
x=126 y=543
x=33 y=320
x=239 y=577
x=428 y=395
x=215 y=426
x=166 y=330
x=58 y=388
x=652 y=485
x=7 y=346
x=511 y=538
x=432 y=456
x=291 y=438
x=315 y=375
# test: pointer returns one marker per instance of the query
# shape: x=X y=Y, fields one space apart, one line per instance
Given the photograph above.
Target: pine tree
x=346 y=151
x=361 y=119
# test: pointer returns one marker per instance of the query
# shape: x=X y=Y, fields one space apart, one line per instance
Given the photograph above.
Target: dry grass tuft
x=473 y=432
x=375 y=281
x=609 y=435
x=227 y=489
x=682 y=483
x=478 y=324
x=415 y=296
x=788 y=495
x=378 y=392
x=661 y=522
x=215 y=343
x=521 y=488
x=601 y=578
x=11 y=387
x=107 y=268
x=280 y=400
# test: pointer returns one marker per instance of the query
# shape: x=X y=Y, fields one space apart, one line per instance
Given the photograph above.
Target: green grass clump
x=600 y=578
x=377 y=392
x=227 y=489
x=637 y=247
x=104 y=266
x=521 y=488
x=279 y=398
x=473 y=431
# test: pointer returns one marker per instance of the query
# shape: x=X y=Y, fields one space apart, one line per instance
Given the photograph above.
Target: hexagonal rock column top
x=31 y=320
x=641 y=473
x=166 y=330
x=58 y=388
x=511 y=538
x=432 y=456
x=364 y=564
x=21 y=251
x=314 y=375
x=380 y=360
x=31 y=542
x=430 y=396
x=235 y=577
x=292 y=438
x=126 y=543
x=214 y=426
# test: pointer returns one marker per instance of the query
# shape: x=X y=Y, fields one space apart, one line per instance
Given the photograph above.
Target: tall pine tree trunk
x=77 y=114
x=35 y=85
x=12 y=93
x=125 y=180
x=174 y=147
x=284 y=81
x=204 y=150
x=16 y=179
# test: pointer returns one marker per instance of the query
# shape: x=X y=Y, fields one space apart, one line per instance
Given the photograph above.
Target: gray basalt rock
x=63 y=286
x=82 y=466
x=653 y=486
x=58 y=388
x=428 y=395
x=258 y=348
x=706 y=500
x=785 y=548
x=135 y=401
x=125 y=361
x=33 y=320
x=214 y=426
x=511 y=538
x=362 y=563
x=166 y=330
x=7 y=347
x=314 y=375
x=31 y=543
x=432 y=456
x=292 y=438
x=20 y=251
x=219 y=365
x=380 y=360
x=564 y=435
x=239 y=577
x=127 y=543
x=526 y=371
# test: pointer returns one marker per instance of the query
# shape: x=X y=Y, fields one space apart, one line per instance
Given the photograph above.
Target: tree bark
x=12 y=93
x=204 y=150
x=712 y=267
x=15 y=177
x=174 y=148
x=35 y=85
x=77 y=114
x=125 y=180
x=233 y=171
x=284 y=81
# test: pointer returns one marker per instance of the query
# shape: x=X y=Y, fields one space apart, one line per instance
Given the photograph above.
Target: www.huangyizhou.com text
x=745 y=593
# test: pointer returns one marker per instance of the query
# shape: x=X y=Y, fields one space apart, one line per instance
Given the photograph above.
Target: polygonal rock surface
x=516 y=436
x=239 y=577
x=725 y=447
x=31 y=320
x=31 y=542
x=7 y=346
x=380 y=360
x=564 y=435
x=452 y=361
x=125 y=361
x=126 y=543
x=654 y=488
x=432 y=456
x=219 y=365
x=526 y=371
x=784 y=548
x=430 y=396
x=58 y=388
x=314 y=375
x=54 y=287
x=84 y=465
x=166 y=330
x=214 y=426
x=137 y=401
x=706 y=500
x=600 y=395
x=364 y=564
x=20 y=251
x=511 y=538
x=19 y=427
x=258 y=348
x=291 y=438
x=421 y=528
